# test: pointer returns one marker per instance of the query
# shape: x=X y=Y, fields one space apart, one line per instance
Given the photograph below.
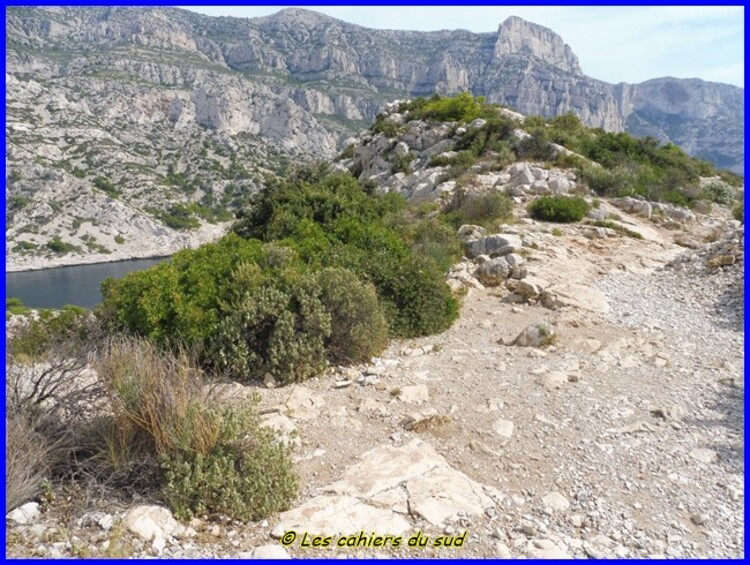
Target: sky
x=613 y=43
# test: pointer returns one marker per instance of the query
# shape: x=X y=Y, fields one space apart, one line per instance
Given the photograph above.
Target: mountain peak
x=517 y=36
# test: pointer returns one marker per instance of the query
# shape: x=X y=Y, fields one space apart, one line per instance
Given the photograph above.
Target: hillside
x=134 y=132
x=460 y=329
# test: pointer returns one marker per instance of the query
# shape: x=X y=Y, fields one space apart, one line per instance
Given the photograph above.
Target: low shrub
x=483 y=209
x=248 y=477
x=433 y=238
x=720 y=193
x=39 y=337
x=460 y=108
x=273 y=328
x=616 y=227
x=561 y=209
x=28 y=455
x=57 y=245
x=359 y=329
x=402 y=163
x=739 y=212
x=165 y=431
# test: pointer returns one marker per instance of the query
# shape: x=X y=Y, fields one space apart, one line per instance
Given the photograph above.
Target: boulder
x=25 y=514
x=535 y=335
x=530 y=288
x=152 y=523
x=493 y=272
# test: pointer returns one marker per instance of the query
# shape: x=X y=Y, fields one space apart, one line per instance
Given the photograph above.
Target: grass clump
x=616 y=227
x=485 y=209
x=738 y=212
x=560 y=209
x=206 y=459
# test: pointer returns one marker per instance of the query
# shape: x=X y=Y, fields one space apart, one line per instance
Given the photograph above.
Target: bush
x=248 y=477
x=482 y=209
x=561 y=209
x=358 y=327
x=461 y=108
x=165 y=426
x=387 y=128
x=106 y=186
x=36 y=339
x=401 y=163
x=435 y=239
x=275 y=328
x=720 y=193
x=28 y=454
x=739 y=212
x=57 y=245
x=605 y=182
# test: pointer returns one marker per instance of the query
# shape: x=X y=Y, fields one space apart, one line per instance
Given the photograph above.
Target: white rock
x=270 y=552
x=556 y=501
x=26 y=514
x=503 y=428
x=152 y=523
x=304 y=404
x=704 y=455
x=414 y=394
x=535 y=335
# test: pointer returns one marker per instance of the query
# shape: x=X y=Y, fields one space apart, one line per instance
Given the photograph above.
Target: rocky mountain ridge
x=175 y=117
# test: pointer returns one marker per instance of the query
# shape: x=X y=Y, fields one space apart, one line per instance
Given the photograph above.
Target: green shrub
x=536 y=146
x=359 y=329
x=248 y=477
x=435 y=239
x=720 y=193
x=387 y=128
x=461 y=160
x=37 y=337
x=17 y=202
x=605 y=182
x=276 y=330
x=22 y=246
x=401 y=163
x=106 y=186
x=739 y=212
x=492 y=136
x=346 y=153
x=460 y=108
x=179 y=217
x=57 y=245
x=16 y=307
x=119 y=239
x=561 y=209
x=483 y=209
x=616 y=227
x=163 y=431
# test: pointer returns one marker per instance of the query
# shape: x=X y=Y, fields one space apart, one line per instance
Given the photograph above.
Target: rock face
x=516 y=35
x=387 y=486
x=144 y=113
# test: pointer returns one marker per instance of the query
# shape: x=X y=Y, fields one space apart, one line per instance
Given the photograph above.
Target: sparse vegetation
x=738 y=212
x=616 y=227
x=57 y=245
x=486 y=209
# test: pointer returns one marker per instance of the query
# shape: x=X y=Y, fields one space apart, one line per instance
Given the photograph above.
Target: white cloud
x=613 y=43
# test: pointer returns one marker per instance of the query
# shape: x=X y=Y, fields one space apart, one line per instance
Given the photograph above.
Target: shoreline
x=82 y=261
x=143 y=247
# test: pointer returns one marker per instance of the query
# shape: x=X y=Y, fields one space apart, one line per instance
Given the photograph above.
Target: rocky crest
x=174 y=118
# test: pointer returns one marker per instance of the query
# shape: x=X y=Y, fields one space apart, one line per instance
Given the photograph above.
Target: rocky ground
x=621 y=437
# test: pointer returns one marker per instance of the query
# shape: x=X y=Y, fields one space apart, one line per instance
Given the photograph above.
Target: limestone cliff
x=177 y=117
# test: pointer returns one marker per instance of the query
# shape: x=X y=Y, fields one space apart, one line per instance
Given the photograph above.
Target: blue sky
x=613 y=43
